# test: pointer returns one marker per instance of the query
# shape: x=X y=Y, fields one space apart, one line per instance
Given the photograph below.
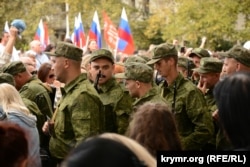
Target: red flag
x=110 y=32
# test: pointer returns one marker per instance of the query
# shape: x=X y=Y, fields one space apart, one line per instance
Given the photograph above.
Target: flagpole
x=67 y=20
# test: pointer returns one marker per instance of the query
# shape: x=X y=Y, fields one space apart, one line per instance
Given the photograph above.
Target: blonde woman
x=12 y=109
x=109 y=150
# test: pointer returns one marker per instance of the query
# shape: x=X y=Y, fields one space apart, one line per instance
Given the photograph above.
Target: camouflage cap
x=199 y=52
x=132 y=59
x=163 y=51
x=185 y=62
x=13 y=68
x=137 y=71
x=101 y=53
x=209 y=65
x=68 y=50
x=240 y=54
x=7 y=78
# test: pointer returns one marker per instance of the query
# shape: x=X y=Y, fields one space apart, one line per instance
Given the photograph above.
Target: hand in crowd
x=202 y=87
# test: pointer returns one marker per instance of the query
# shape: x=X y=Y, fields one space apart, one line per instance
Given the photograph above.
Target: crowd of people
x=65 y=107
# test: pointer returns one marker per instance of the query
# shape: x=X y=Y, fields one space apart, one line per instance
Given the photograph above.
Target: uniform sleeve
x=86 y=117
x=123 y=112
x=202 y=120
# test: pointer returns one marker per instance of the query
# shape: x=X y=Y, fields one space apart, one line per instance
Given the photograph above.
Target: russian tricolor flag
x=125 y=42
x=42 y=34
x=95 y=31
x=79 y=35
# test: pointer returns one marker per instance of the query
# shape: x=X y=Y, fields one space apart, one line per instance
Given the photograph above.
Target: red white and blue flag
x=79 y=35
x=42 y=34
x=125 y=42
x=95 y=31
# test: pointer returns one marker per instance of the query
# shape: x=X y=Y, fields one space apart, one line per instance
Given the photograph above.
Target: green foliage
x=169 y=19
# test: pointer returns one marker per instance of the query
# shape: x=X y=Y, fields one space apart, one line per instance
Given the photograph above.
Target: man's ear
x=138 y=84
x=66 y=62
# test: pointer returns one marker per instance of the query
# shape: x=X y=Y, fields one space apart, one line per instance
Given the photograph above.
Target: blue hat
x=20 y=25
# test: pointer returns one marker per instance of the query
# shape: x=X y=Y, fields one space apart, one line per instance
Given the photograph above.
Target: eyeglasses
x=51 y=75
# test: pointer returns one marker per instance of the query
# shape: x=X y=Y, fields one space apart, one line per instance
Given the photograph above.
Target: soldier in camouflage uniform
x=185 y=66
x=117 y=102
x=78 y=114
x=237 y=59
x=209 y=71
x=34 y=95
x=139 y=79
x=193 y=120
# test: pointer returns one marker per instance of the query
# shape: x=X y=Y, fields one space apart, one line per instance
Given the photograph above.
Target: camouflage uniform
x=77 y=116
x=193 y=120
x=152 y=96
x=79 y=111
x=114 y=97
x=117 y=102
x=210 y=65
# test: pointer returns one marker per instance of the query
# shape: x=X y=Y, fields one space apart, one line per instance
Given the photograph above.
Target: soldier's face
x=163 y=67
x=132 y=87
x=58 y=64
x=210 y=79
x=229 y=66
x=196 y=61
x=105 y=66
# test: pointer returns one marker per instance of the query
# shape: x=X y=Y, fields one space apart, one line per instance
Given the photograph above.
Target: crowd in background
x=60 y=106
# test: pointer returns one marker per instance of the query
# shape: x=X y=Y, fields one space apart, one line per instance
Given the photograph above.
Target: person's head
x=85 y=63
x=209 y=71
x=31 y=54
x=165 y=57
x=36 y=46
x=185 y=66
x=66 y=61
x=153 y=126
x=109 y=150
x=237 y=59
x=101 y=60
x=138 y=78
x=198 y=53
x=92 y=45
x=49 y=48
x=13 y=145
x=46 y=74
x=4 y=38
x=18 y=70
x=11 y=99
x=232 y=96
x=7 y=78
x=29 y=64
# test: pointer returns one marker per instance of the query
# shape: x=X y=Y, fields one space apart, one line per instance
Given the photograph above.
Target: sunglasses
x=51 y=75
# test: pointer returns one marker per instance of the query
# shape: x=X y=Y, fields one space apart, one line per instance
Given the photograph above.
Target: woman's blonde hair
x=10 y=99
x=141 y=153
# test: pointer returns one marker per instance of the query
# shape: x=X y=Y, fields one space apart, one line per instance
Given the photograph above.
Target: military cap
x=240 y=54
x=137 y=71
x=132 y=59
x=68 y=50
x=163 y=51
x=199 y=52
x=185 y=62
x=209 y=65
x=7 y=78
x=13 y=68
x=101 y=53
